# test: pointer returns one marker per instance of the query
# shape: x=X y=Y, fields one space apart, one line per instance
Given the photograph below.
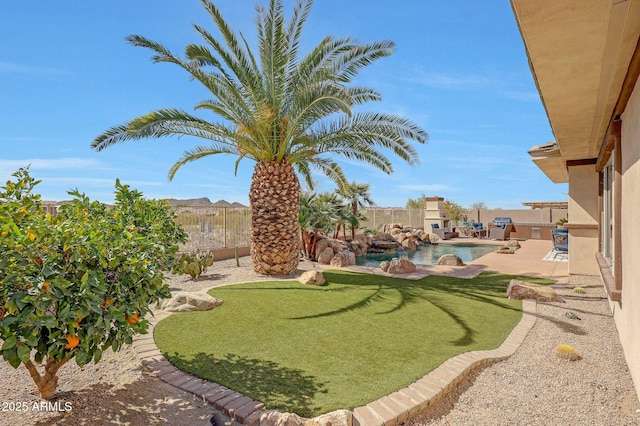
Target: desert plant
x=579 y=290
x=193 y=264
x=566 y=352
x=77 y=283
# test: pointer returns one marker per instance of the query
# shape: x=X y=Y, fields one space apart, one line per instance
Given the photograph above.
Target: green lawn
x=311 y=350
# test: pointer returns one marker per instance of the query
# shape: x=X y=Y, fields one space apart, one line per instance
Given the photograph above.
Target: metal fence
x=378 y=216
x=212 y=228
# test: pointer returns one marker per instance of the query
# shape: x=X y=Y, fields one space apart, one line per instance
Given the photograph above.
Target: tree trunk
x=275 y=229
x=314 y=244
x=48 y=382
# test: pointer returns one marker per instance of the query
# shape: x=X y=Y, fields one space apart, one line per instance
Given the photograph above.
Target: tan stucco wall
x=627 y=313
x=583 y=210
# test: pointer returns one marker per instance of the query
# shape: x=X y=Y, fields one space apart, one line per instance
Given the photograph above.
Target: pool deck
x=393 y=409
x=528 y=260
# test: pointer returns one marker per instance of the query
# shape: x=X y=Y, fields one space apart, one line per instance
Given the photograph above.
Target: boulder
x=383 y=236
x=512 y=244
x=342 y=259
x=504 y=250
x=321 y=244
x=396 y=231
x=276 y=418
x=325 y=256
x=525 y=290
x=400 y=237
x=385 y=244
x=450 y=260
x=334 y=418
x=338 y=245
x=398 y=266
x=312 y=277
x=185 y=302
x=410 y=243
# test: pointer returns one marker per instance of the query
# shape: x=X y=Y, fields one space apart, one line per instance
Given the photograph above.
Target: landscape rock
x=400 y=237
x=334 y=418
x=276 y=418
x=338 y=245
x=325 y=256
x=384 y=236
x=410 y=243
x=504 y=250
x=386 y=245
x=185 y=302
x=312 y=277
x=321 y=244
x=398 y=266
x=342 y=259
x=450 y=260
x=525 y=290
x=512 y=243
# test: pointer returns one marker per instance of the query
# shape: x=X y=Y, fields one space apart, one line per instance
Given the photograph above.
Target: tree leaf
x=24 y=352
x=9 y=343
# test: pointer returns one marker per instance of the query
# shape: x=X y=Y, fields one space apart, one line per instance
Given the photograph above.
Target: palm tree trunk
x=354 y=210
x=275 y=229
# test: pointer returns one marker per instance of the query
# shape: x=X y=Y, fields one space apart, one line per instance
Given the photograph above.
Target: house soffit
x=579 y=52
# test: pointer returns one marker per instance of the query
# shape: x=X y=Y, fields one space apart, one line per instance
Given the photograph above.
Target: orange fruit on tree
x=132 y=319
x=72 y=341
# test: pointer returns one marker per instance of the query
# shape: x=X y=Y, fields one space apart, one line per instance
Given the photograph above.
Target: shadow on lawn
x=484 y=288
x=273 y=384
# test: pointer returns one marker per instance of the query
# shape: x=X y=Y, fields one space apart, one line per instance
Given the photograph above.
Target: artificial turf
x=311 y=350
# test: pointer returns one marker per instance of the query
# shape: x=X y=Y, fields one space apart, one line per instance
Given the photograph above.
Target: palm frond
x=198 y=153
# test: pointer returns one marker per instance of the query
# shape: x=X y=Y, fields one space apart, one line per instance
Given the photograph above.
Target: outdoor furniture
x=440 y=232
x=477 y=230
x=560 y=237
x=500 y=233
x=465 y=229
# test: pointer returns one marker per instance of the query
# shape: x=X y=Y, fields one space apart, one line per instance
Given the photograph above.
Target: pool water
x=428 y=254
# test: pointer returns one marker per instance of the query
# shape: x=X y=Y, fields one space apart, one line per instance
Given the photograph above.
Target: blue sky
x=460 y=71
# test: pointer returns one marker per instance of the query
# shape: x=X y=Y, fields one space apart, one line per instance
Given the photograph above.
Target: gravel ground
x=533 y=387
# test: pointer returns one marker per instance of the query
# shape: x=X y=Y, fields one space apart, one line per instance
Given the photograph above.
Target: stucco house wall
x=583 y=210
x=627 y=313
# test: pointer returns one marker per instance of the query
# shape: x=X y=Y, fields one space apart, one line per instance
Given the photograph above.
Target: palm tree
x=319 y=213
x=282 y=110
x=357 y=195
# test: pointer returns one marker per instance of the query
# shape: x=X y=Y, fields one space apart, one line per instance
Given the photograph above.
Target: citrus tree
x=80 y=282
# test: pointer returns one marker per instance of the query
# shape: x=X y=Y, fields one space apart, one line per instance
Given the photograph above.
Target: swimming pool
x=428 y=254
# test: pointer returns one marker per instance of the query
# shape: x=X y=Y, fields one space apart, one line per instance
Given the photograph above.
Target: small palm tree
x=357 y=195
x=319 y=213
x=284 y=111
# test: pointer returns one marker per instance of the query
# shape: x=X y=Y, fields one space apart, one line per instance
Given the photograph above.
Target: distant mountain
x=201 y=202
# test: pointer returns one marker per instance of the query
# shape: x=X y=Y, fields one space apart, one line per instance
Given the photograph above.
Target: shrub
x=193 y=264
x=77 y=283
x=566 y=352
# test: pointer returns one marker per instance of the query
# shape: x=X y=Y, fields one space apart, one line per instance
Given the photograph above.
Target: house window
x=606 y=237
